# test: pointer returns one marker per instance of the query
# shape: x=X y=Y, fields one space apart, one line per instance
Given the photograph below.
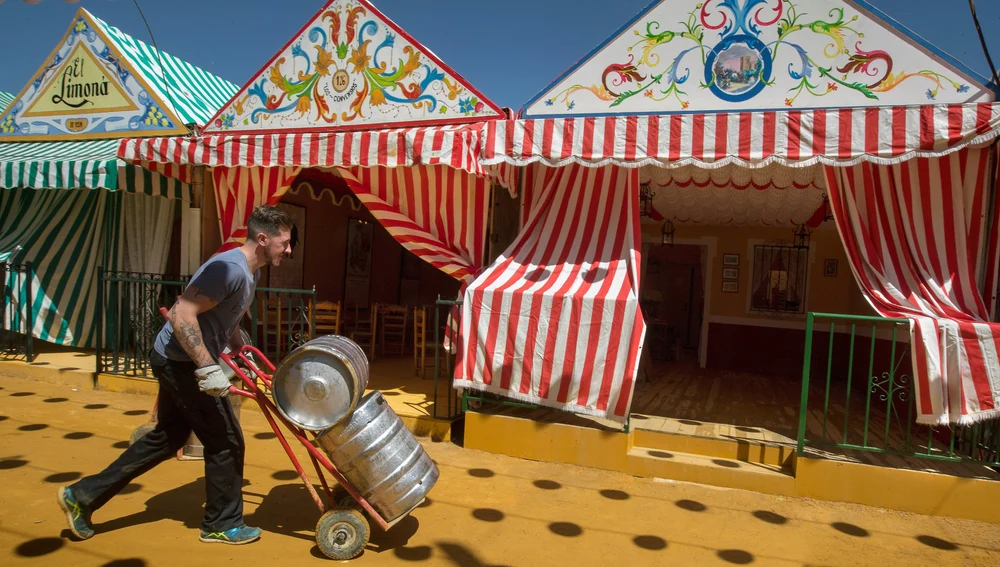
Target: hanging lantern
x=646 y=200
x=667 y=234
x=802 y=234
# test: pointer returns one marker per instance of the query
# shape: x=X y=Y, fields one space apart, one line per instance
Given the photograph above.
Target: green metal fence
x=128 y=319
x=17 y=311
x=857 y=395
x=448 y=403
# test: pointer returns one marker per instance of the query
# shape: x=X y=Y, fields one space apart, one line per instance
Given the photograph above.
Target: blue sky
x=509 y=50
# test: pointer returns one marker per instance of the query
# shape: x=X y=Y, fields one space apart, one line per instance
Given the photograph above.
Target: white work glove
x=212 y=381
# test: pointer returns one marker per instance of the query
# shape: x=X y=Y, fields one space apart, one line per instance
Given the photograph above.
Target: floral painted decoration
x=726 y=40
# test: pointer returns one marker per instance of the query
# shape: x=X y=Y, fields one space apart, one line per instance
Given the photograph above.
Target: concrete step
x=714 y=471
x=780 y=455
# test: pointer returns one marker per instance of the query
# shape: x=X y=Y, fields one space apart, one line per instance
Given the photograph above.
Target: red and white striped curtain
x=238 y=190
x=555 y=320
x=436 y=212
x=915 y=234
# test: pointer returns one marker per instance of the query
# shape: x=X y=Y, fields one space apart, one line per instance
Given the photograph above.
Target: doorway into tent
x=368 y=284
x=672 y=297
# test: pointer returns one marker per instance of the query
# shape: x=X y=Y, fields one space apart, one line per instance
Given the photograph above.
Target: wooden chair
x=392 y=328
x=326 y=317
x=363 y=329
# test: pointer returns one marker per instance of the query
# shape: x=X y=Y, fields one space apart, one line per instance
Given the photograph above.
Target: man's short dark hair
x=269 y=220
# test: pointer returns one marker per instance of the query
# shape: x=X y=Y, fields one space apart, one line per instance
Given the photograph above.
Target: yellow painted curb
x=919 y=492
x=45 y=372
x=927 y=493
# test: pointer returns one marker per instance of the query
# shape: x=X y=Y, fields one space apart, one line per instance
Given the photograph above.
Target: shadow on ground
x=289 y=510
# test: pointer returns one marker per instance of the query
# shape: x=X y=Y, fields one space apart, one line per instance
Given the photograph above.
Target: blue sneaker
x=79 y=519
x=239 y=535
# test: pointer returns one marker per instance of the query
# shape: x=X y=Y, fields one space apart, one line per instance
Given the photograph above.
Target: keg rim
x=299 y=352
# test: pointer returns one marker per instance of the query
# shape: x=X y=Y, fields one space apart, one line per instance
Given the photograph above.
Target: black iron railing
x=129 y=319
x=282 y=320
x=17 y=311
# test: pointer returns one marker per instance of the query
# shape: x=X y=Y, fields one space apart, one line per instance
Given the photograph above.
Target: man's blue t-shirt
x=226 y=279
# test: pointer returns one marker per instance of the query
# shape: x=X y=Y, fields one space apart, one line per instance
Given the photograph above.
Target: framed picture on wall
x=730 y=273
x=830 y=268
x=730 y=259
x=730 y=287
x=409 y=283
x=411 y=266
x=360 y=240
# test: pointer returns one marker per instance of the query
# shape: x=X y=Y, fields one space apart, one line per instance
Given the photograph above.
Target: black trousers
x=182 y=407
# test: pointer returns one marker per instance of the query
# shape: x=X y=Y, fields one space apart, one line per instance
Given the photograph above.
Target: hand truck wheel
x=342 y=534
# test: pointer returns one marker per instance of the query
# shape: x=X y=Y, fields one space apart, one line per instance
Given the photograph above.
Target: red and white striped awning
x=456 y=146
x=843 y=136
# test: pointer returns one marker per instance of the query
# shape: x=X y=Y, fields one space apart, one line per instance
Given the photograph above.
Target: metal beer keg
x=380 y=457
x=321 y=382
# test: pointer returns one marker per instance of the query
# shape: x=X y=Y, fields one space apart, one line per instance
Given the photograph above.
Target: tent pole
x=991 y=202
x=982 y=40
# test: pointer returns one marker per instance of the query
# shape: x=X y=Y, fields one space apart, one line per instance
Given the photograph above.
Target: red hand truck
x=343 y=528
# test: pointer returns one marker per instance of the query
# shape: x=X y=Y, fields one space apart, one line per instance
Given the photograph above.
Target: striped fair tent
x=67 y=200
x=5 y=100
x=82 y=165
x=193 y=94
x=663 y=93
x=64 y=235
x=794 y=138
x=918 y=177
x=406 y=143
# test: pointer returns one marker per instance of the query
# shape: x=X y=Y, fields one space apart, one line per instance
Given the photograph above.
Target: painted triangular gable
x=721 y=55
x=87 y=89
x=351 y=67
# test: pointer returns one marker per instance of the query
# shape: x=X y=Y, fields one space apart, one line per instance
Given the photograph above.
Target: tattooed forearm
x=190 y=334
x=190 y=338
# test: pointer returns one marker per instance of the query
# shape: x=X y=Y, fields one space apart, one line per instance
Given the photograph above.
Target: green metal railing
x=128 y=319
x=444 y=366
x=17 y=311
x=866 y=400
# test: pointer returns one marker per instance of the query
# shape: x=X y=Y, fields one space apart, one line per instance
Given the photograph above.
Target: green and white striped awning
x=5 y=100
x=81 y=165
x=195 y=94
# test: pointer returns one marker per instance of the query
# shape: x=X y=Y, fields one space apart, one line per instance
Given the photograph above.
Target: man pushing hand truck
x=193 y=388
